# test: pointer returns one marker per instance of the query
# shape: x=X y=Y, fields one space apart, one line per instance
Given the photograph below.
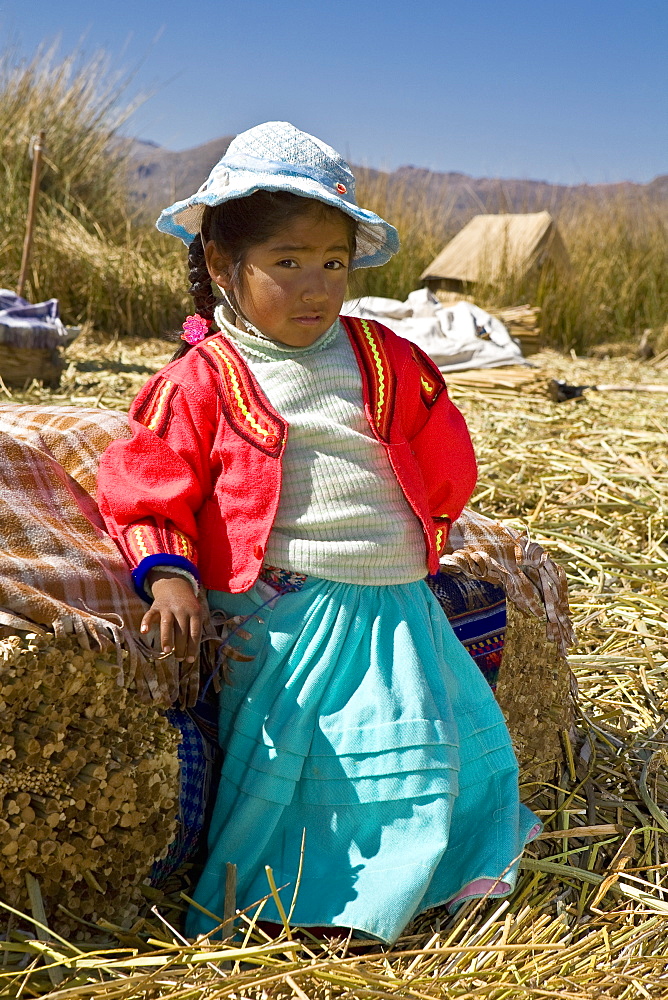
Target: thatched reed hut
x=493 y=248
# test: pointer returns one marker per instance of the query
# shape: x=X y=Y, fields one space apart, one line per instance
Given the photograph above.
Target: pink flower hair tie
x=195 y=329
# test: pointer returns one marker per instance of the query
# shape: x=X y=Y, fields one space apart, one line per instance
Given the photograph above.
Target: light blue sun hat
x=276 y=156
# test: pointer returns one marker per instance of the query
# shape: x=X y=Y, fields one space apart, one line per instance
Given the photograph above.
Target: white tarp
x=455 y=336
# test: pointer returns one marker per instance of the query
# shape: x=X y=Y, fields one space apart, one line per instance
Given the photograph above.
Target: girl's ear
x=218 y=265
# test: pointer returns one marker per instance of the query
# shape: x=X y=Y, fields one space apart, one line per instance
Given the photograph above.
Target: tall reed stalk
x=87 y=252
x=618 y=283
x=421 y=230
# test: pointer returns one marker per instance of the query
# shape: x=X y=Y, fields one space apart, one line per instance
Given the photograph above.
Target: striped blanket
x=59 y=568
x=483 y=549
x=477 y=612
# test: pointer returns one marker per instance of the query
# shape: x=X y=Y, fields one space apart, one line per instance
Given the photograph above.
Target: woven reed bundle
x=534 y=692
x=523 y=323
x=88 y=781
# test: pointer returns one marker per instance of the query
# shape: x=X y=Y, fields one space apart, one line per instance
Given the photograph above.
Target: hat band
x=242 y=161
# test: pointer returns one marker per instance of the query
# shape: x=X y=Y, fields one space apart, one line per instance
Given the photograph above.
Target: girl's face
x=293 y=285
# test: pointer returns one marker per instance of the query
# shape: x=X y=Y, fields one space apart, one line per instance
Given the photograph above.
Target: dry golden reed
x=589 y=917
x=87 y=250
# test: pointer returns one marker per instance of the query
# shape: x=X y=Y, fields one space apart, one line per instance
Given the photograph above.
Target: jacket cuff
x=159 y=559
x=174 y=571
x=143 y=539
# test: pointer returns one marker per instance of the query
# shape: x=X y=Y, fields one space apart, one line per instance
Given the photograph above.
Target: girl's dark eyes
x=291 y=263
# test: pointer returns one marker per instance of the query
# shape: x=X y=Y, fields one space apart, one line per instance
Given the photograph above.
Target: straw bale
x=534 y=692
x=88 y=781
x=514 y=378
x=523 y=323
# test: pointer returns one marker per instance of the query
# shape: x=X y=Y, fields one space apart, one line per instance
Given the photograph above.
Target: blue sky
x=548 y=89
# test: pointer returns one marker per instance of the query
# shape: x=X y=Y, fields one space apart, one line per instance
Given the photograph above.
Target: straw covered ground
x=589 y=918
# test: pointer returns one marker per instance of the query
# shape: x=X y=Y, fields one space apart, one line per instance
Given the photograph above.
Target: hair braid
x=200 y=289
x=200 y=280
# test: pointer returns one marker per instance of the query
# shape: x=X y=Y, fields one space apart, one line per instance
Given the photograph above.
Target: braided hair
x=237 y=225
x=200 y=288
x=200 y=280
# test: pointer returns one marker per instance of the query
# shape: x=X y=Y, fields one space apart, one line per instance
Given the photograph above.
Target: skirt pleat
x=362 y=721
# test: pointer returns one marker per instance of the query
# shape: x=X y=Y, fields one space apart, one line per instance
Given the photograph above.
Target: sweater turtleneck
x=255 y=343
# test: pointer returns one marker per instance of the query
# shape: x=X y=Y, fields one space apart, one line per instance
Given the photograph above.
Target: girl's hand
x=176 y=608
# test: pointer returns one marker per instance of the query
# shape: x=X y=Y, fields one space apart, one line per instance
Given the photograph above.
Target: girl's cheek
x=278 y=285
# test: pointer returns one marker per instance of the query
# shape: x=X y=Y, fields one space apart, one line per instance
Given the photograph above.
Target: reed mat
x=589 y=917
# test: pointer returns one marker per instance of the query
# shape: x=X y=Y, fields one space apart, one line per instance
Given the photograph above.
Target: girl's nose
x=315 y=286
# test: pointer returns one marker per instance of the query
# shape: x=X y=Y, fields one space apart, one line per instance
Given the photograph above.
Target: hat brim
x=377 y=240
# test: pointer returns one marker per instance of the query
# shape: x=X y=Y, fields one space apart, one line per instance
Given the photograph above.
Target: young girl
x=304 y=468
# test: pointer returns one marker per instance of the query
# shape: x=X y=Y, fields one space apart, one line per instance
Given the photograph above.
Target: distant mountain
x=458 y=197
x=157 y=176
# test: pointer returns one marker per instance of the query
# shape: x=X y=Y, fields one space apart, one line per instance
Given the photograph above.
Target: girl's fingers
x=181 y=633
x=148 y=620
x=180 y=630
x=194 y=637
x=166 y=632
x=188 y=636
x=187 y=630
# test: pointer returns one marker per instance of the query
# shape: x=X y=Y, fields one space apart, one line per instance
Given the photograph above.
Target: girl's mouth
x=308 y=320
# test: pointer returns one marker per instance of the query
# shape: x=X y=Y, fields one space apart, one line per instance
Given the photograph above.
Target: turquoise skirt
x=362 y=721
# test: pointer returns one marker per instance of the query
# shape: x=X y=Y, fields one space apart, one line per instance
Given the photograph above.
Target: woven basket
x=20 y=365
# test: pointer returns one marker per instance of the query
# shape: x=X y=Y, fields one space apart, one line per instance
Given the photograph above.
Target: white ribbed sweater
x=342 y=514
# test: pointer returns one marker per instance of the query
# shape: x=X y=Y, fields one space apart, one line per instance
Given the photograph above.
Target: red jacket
x=198 y=483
